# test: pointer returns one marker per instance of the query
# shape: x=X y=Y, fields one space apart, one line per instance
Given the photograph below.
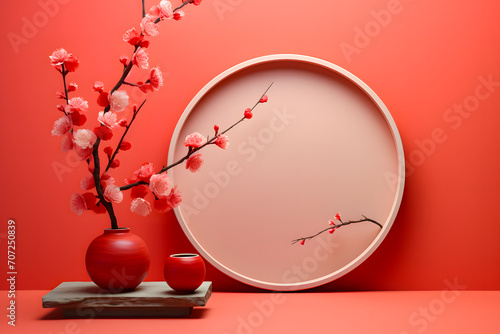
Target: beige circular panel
x=323 y=143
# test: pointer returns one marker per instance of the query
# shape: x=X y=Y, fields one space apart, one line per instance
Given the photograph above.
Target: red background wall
x=422 y=59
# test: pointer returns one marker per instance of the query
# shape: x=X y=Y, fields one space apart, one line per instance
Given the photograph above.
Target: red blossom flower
x=78 y=119
x=139 y=191
x=124 y=60
x=132 y=36
x=108 y=150
x=196 y=2
x=123 y=123
x=248 y=113
x=103 y=132
x=216 y=128
x=71 y=63
x=72 y=86
x=263 y=99
x=125 y=146
x=303 y=241
x=337 y=216
x=60 y=95
x=178 y=15
x=115 y=164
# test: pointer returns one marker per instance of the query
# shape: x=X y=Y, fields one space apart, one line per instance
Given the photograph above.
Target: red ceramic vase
x=184 y=272
x=117 y=260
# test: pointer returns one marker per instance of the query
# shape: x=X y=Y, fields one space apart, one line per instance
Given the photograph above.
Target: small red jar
x=184 y=272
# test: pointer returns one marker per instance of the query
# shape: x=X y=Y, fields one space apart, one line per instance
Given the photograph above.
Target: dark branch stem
x=123 y=136
x=365 y=219
x=143 y=9
x=98 y=187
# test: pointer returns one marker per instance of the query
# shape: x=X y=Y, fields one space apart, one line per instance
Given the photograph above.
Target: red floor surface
x=398 y=312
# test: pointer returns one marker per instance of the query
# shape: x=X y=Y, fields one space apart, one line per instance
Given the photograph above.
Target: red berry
x=248 y=113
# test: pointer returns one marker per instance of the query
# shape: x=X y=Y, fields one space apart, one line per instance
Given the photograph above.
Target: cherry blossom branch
x=191 y=150
x=110 y=161
x=175 y=10
x=333 y=227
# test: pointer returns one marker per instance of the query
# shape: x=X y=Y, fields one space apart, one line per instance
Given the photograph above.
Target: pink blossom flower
x=142 y=174
x=148 y=25
x=77 y=203
x=195 y=140
x=194 y=162
x=118 y=100
x=140 y=59
x=165 y=204
x=248 y=113
x=178 y=15
x=337 y=216
x=140 y=206
x=146 y=171
x=174 y=198
x=77 y=104
x=67 y=143
x=62 y=57
x=87 y=182
x=58 y=57
x=156 y=78
x=98 y=86
x=222 y=141
x=113 y=194
x=61 y=126
x=106 y=180
x=82 y=153
x=84 y=138
x=132 y=36
x=163 y=10
x=108 y=119
x=159 y=184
